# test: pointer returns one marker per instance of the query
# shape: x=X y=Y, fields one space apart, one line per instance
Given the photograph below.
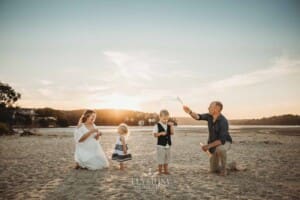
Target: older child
x=163 y=131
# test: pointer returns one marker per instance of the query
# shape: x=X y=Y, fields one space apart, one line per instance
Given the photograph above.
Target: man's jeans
x=219 y=156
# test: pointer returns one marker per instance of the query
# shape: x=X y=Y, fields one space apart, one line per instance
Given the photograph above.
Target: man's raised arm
x=190 y=112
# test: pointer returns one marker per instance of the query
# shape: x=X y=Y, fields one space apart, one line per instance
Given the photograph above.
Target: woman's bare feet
x=233 y=166
x=77 y=166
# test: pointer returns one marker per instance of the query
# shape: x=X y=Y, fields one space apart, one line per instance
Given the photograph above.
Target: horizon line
x=133 y=110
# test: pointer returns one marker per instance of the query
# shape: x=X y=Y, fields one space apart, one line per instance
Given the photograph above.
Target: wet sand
x=41 y=167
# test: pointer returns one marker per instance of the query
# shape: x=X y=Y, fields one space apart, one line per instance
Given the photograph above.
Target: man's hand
x=190 y=112
x=187 y=109
x=205 y=147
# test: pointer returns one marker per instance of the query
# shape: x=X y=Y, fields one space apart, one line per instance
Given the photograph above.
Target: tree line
x=287 y=119
x=13 y=116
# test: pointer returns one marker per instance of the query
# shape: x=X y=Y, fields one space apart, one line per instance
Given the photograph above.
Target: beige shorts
x=218 y=163
x=163 y=155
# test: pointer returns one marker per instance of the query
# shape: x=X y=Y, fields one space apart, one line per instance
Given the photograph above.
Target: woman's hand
x=97 y=136
x=91 y=133
x=94 y=130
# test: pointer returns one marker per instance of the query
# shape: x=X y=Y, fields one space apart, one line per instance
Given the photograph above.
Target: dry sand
x=41 y=167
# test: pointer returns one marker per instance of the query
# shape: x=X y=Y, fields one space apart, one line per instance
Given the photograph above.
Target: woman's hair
x=85 y=116
x=124 y=129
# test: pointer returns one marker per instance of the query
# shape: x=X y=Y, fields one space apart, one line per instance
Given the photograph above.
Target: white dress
x=89 y=153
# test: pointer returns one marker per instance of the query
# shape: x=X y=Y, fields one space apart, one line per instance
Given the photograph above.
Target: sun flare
x=118 y=101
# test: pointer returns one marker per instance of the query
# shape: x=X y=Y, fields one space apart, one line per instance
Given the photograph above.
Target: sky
x=141 y=55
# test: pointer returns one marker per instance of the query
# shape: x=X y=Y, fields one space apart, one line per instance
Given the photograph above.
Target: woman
x=88 y=151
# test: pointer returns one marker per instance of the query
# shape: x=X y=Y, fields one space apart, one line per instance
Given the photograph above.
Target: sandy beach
x=41 y=167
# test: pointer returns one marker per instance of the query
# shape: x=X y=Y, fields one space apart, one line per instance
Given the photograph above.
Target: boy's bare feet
x=159 y=169
x=159 y=172
x=223 y=173
x=166 y=171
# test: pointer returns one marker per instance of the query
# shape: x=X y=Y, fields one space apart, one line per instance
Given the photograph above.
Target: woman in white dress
x=88 y=151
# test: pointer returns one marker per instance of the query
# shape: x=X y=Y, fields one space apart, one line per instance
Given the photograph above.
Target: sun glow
x=118 y=101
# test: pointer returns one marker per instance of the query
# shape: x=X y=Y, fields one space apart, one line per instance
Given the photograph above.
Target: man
x=219 y=140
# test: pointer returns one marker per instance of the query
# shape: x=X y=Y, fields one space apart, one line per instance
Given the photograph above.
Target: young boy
x=163 y=131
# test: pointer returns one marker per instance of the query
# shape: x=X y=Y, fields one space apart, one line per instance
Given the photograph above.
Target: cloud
x=148 y=82
x=93 y=88
x=131 y=65
x=282 y=66
x=139 y=72
x=47 y=92
x=46 y=82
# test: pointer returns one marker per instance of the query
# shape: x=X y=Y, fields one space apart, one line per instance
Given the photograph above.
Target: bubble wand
x=180 y=101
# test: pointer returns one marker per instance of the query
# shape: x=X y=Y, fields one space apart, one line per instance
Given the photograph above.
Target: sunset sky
x=141 y=55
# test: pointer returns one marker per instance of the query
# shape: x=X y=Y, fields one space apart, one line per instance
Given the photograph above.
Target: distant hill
x=104 y=116
x=48 y=117
x=287 y=119
x=189 y=121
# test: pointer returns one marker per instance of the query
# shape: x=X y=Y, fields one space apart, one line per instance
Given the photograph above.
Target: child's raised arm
x=171 y=124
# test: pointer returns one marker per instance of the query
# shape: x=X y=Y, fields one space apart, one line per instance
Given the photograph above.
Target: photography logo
x=152 y=182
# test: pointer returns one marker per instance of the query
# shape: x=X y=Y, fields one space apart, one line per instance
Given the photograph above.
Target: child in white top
x=163 y=131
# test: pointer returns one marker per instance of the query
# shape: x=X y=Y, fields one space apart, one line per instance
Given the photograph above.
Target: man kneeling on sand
x=219 y=140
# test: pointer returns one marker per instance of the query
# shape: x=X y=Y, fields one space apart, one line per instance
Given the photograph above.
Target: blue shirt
x=218 y=130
